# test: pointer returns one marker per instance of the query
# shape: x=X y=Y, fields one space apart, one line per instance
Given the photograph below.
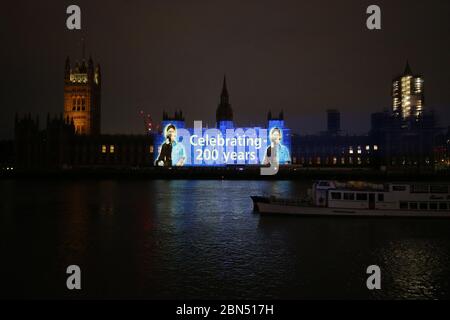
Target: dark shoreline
x=226 y=173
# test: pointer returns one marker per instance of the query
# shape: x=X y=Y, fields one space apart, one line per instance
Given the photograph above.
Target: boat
x=362 y=199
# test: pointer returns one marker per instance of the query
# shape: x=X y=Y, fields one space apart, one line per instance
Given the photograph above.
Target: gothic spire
x=224 y=86
x=224 y=95
x=224 y=111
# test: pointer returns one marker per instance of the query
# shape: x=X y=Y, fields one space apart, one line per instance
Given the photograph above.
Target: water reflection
x=200 y=239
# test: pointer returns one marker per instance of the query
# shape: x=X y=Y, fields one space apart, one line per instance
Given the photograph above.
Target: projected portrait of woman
x=276 y=152
x=172 y=152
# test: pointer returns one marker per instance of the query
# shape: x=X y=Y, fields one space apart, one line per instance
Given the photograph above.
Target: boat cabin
x=389 y=196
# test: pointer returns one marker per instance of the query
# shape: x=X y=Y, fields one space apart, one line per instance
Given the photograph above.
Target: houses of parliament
x=73 y=138
x=403 y=137
x=82 y=93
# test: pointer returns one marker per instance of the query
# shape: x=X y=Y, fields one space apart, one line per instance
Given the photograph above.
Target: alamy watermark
x=373 y=282
x=73 y=281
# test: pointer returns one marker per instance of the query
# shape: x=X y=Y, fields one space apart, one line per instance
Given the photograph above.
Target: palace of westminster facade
x=404 y=136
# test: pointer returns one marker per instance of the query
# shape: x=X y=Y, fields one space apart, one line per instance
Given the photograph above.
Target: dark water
x=200 y=239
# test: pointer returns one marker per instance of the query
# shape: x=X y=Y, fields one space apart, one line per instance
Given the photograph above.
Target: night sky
x=300 y=56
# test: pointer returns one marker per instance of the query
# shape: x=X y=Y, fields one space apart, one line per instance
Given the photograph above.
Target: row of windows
x=423 y=188
x=350 y=149
x=403 y=204
x=112 y=148
x=334 y=160
x=409 y=162
x=354 y=196
x=429 y=189
x=358 y=150
x=78 y=103
x=425 y=205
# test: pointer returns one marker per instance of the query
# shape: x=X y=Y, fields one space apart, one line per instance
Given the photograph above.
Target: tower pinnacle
x=224 y=111
x=407 y=69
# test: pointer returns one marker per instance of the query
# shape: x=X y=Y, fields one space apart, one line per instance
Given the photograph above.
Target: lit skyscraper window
x=407 y=95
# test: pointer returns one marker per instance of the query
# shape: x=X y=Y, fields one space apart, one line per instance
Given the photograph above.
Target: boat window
x=419 y=188
x=361 y=196
x=403 y=205
x=349 y=196
x=336 y=195
x=423 y=206
x=443 y=206
x=381 y=197
x=413 y=205
x=324 y=184
x=398 y=188
x=439 y=189
x=433 y=206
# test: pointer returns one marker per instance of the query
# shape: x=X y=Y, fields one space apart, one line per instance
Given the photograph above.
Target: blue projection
x=198 y=146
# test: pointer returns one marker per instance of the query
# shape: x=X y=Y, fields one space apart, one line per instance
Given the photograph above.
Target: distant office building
x=331 y=149
x=404 y=146
x=406 y=135
x=442 y=150
x=82 y=94
x=333 y=121
x=407 y=95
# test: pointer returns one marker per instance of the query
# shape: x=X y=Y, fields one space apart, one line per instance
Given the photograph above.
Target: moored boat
x=361 y=199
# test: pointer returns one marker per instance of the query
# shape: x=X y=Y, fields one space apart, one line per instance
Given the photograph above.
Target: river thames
x=199 y=239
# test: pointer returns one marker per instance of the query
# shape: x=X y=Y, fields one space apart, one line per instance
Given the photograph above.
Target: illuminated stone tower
x=407 y=95
x=82 y=93
x=224 y=113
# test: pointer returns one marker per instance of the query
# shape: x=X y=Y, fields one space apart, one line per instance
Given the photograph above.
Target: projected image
x=171 y=152
x=276 y=152
x=200 y=146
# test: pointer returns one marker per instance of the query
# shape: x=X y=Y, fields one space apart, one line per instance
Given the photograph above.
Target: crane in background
x=148 y=123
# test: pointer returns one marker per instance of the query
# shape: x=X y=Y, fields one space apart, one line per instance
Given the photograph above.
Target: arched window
x=78 y=103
